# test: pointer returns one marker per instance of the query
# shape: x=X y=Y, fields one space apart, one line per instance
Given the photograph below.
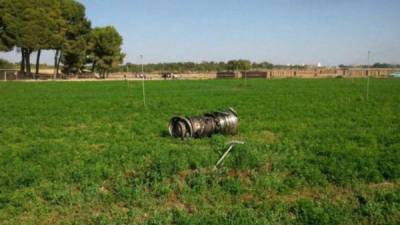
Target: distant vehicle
x=395 y=74
x=140 y=75
x=169 y=75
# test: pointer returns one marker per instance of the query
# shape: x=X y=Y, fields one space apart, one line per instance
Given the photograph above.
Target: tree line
x=232 y=65
x=180 y=67
x=32 y=26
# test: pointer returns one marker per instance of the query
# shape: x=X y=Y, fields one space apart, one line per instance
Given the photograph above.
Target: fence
x=8 y=74
x=311 y=73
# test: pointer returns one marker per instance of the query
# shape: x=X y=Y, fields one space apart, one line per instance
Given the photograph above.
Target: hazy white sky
x=280 y=31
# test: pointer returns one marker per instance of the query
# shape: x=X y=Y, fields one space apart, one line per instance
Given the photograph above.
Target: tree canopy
x=77 y=33
x=59 y=25
x=240 y=64
x=105 y=49
x=6 y=42
x=32 y=25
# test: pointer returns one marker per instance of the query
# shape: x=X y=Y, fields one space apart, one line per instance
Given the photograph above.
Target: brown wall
x=157 y=76
x=255 y=74
x=316 y=73
x=228 y=75
x=274 y=73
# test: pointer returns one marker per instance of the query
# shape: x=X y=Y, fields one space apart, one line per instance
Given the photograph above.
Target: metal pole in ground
x=144 y=93
x=368 y=75
x=245 y=78
x=126 y=75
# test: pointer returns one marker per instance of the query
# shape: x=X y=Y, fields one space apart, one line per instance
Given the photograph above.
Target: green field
x=316 y=152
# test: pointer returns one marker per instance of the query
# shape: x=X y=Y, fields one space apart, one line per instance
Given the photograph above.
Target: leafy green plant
x=315 y=152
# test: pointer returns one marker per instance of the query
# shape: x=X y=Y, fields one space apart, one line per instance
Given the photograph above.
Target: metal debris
x=204 y=126
x=231 y=145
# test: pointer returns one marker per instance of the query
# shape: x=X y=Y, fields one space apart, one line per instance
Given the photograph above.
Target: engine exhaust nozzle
x=204 y=126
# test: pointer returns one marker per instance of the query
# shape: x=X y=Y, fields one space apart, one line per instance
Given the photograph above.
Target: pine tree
x=105 y=49
x=76 y=36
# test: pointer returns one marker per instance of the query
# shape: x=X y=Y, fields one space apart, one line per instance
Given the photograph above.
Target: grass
x=316 y=152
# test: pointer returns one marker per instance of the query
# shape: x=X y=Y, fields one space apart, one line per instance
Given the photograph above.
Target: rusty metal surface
x=204 y=126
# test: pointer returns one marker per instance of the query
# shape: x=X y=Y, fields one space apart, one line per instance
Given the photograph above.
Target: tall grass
x=316 y=152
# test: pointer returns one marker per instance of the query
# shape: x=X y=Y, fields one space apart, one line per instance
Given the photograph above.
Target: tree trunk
x=93 y=67
x=28 y=61
x=56 y=63
x=38 y=61
x=22 y=66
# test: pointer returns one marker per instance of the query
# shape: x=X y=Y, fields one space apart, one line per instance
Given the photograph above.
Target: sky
x=331 y=32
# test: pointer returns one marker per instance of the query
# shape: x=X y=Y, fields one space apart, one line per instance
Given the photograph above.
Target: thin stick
x=144 y=93
x=368 y=76
x=368 y=88
x=245 y=78
x=231 y=145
